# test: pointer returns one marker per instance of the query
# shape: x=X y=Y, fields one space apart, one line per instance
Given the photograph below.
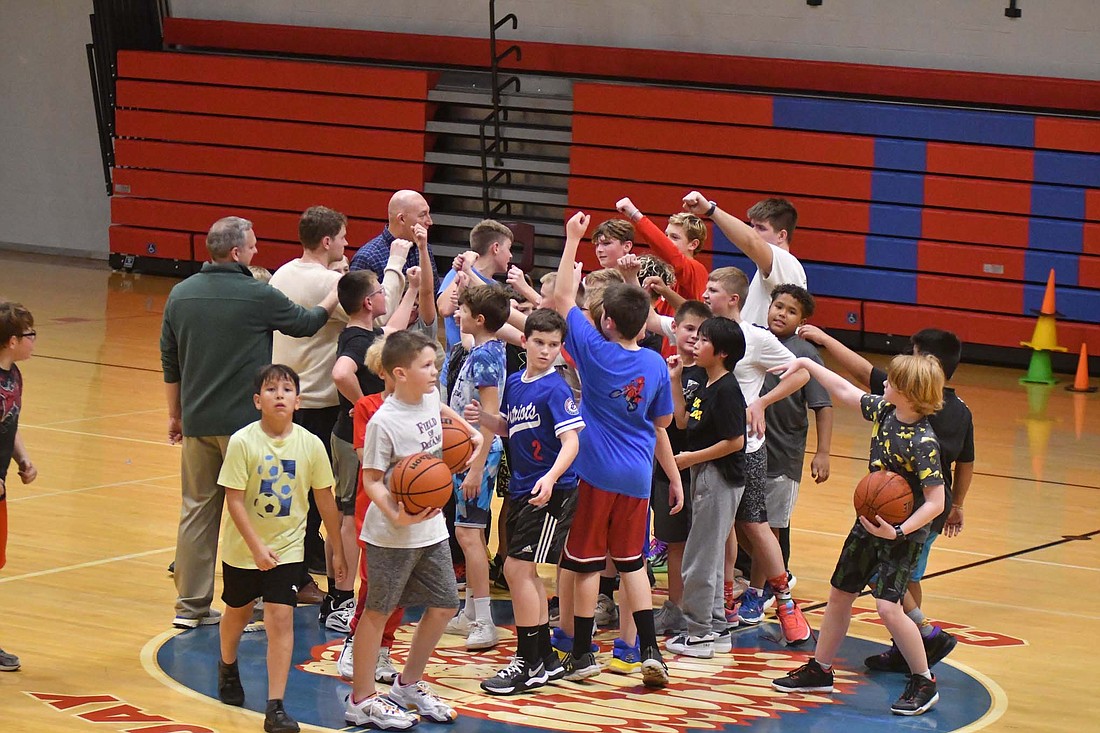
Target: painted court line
x=100 y=417
x=163 y=443
x=100 y=486
x=81 y=566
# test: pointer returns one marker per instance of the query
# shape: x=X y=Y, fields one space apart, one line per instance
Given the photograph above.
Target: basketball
x=421 y=481
x=886 y=494
x=457 y=447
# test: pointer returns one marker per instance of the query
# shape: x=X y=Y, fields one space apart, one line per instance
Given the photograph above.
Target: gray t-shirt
x=397 y=430
x=787 y=420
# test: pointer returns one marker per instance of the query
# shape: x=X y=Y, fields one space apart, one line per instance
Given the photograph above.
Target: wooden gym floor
x=86 y=590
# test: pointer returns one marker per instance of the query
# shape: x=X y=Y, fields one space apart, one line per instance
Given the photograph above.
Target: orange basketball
x=886 y=494
x=457 y=447
x=421 y=481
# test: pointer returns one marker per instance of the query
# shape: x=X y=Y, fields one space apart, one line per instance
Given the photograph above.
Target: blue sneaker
x=563 y=642
x=752 y=607
x=657 y=554
x=626 y=659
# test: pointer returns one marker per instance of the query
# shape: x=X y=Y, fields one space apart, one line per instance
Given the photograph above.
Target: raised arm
x=446 y=300
x=850 y=361
x=393 y=278
x=565 y=287
x=839 y=388
x=662 y=245
x=744 y=237
x=399 y=319
x=426 y=285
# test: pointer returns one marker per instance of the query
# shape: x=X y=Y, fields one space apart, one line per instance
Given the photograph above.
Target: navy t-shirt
x=622 y=392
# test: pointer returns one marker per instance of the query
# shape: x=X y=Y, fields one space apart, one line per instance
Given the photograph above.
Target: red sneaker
x=795 y=628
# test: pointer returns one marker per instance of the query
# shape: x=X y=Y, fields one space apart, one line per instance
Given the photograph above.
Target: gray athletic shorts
x=780 y=494
x=346 y=468
x=753 y=507
x=417 y=576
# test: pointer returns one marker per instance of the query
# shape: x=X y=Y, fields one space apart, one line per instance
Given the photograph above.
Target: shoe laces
x=516 y=666
x=422 y=690
x=388 y=706
x=912 y=687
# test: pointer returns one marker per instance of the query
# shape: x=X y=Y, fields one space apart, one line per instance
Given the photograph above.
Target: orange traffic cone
x=1048 y=297
x=1081 y=381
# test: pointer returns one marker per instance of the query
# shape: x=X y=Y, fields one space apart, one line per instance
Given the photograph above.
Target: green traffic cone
x=1039 y=370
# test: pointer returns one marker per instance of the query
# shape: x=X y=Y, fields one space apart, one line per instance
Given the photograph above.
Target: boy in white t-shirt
x=271 y=466
x=766 y=243
x=410 y=551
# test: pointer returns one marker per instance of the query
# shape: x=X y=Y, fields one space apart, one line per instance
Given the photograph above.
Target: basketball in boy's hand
x=421 y=481
x=886 y=494
x=457 y=447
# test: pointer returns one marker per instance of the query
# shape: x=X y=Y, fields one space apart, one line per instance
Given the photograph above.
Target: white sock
x=482 y=610
x=926 y=674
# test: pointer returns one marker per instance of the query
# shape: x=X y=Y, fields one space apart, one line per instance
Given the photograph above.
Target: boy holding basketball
x=482 y=311
x=17 y=339
x=902 y=441
x=540 y=416
x=271 y=467
x=409 y=551
x=626 y=399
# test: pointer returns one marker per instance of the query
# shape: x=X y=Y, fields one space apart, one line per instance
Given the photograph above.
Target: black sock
x=607 y=586
x=785 y=545
x=647 y=633
x=332 y=587
x=527 y=644
x=545 y=648
x=582 y=634
x=339 y=596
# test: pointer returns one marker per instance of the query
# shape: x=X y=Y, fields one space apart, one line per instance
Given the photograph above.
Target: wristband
x=899 y=532
x=710 y=211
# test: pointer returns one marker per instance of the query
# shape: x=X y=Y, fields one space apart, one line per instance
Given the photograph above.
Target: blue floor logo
x=729 y=692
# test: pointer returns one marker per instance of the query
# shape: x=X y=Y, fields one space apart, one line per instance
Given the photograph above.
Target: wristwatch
x=710 y=211
x=900 y=533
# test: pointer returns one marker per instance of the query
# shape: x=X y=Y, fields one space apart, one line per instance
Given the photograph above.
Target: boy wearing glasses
x=17 y=337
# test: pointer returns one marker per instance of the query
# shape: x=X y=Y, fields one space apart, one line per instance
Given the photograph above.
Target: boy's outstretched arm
x=565 y=286
x=839 y=388
x=744 y=237
x=853 y=363
x=819 y=466
x=754 y=413
x=494 y=421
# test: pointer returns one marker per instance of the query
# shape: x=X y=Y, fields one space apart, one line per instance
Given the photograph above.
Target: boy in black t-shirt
x=876 y=553
x=672 y=529
x=954 y=428
x=715 y=432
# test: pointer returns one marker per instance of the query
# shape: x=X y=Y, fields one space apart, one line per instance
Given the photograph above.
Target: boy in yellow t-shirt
x=269 y=469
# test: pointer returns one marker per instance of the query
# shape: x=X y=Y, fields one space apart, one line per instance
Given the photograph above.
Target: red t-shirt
x=364 y=411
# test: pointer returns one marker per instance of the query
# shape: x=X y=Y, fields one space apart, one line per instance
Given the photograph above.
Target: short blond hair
x=693 y=226
x=373 y=360
x=595 y=283
x=733 y=281
x=919 y=379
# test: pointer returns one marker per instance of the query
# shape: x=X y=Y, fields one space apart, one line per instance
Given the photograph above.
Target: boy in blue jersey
x=626 y=401
x=542 y=420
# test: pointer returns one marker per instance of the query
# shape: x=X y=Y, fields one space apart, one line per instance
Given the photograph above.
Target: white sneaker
x=483 y=635
x=380 y=712
x=384 y=671
x=607 y=613
x=211 y=618
x=339 y=619
x=420 y=697
x=700 y=647
x=344 y=662
x=459 y=625
x=723 y=642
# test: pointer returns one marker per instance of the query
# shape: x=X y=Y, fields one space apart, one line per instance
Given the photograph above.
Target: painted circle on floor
x=729 y=692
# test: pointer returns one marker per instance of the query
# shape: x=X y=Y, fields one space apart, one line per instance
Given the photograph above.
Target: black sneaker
x=496 y=573
x=230 y=690
x=938 y=645
x=277 y=721
x=553 y=607
x=516 y=677
x=888 y=661
x=580 y=668
x=810 y=677
x=326 y=608
x=919 y=696
x=553 y=666
x=654 y=670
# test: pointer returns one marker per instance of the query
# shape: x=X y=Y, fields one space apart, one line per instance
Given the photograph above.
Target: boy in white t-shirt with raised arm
x=766 y=242
x=410 y=551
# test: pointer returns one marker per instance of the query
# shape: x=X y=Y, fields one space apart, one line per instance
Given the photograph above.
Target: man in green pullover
x=215 y=337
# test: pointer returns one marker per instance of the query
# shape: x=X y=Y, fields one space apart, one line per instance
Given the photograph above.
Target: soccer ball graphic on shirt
x=276 y=487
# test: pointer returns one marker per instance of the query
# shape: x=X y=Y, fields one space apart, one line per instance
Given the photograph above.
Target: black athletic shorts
x=241 y=586
x=887 y=565
x=537 y=534
x=666 y=527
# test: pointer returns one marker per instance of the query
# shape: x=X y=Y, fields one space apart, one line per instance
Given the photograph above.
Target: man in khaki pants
x=215 y=337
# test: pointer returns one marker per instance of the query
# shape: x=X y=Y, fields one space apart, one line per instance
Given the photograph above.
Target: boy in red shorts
x=626 y=398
